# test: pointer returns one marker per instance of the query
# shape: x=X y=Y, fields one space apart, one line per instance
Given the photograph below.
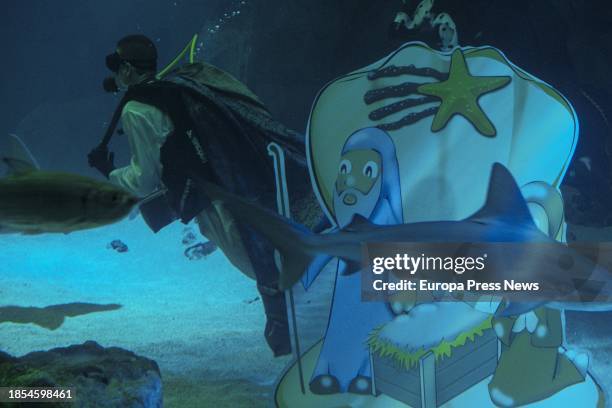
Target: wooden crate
x=430 y=384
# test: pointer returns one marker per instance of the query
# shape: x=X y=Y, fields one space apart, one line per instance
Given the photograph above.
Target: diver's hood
x=137 y=50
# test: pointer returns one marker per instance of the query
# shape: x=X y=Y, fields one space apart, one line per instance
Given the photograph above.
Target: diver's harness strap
x=110 y=130
x=112 y=126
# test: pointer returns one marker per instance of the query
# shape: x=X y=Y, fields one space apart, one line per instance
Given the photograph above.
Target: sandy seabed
x=199 y=320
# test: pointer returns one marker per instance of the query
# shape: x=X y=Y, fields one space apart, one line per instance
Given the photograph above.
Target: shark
x=34 y=201
x=504 y=218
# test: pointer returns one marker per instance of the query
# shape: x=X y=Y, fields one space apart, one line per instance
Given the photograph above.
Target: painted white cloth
x=435 y=322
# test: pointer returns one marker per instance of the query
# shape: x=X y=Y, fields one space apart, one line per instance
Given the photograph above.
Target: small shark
x=33 y=201
x=503 y=218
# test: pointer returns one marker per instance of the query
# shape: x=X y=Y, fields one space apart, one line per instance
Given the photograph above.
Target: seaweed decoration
x=405 y=359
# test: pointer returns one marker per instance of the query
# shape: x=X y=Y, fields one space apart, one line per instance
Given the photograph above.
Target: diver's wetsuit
x=220 y=135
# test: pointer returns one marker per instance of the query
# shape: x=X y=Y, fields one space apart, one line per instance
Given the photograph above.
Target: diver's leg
x=254 y=258
x=261 y=255
x=217 y=225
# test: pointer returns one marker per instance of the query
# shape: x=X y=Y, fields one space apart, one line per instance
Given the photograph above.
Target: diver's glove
x=102 y=160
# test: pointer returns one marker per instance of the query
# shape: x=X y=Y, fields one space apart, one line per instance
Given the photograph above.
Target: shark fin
x=504 y=199
x=19 y=159
x=359 y=223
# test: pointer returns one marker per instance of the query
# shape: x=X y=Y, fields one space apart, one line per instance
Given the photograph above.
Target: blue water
x=202 y=320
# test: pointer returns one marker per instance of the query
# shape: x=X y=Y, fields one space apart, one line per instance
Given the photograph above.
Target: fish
x=50 y=317
x=504 y=218
x=34 y=201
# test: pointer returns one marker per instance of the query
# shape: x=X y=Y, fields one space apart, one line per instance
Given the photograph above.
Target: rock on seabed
x=101 y=377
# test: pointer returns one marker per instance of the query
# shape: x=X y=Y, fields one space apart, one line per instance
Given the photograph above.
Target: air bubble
x=226 y=17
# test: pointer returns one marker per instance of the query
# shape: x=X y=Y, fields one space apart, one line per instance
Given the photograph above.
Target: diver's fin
x=504 y=200
x=292 y=240
x=19 y=159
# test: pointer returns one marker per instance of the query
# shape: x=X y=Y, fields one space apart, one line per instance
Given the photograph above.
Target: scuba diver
x=194 y=123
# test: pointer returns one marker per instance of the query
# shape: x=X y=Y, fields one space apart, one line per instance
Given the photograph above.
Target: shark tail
x=293 y=241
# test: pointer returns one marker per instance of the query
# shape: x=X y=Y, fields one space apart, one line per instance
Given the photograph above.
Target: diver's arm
x=146 y=128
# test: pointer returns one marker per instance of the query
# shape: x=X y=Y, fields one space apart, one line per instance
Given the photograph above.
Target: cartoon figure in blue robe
x=367 y=185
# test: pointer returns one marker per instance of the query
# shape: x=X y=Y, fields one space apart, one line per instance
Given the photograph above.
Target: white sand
x=192 y=317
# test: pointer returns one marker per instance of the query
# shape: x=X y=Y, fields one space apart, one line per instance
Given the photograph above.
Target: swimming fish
x=33 y=201
x=504 y=218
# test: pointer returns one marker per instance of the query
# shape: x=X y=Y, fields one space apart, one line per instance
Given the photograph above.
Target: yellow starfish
x=460 y=94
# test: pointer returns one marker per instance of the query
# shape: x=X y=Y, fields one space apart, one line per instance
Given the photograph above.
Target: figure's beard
x=365 y=205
